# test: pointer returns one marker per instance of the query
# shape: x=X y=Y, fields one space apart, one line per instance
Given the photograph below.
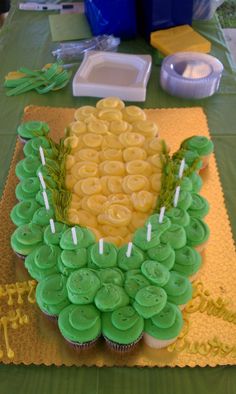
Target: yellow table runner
x=209 y=333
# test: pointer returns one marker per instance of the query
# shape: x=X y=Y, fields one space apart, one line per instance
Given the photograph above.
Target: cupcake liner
x=52 y=318
x=82 y=346
x=200 y=248
x=205 y=161
x=21 y=256
x=157 y=343
x=121 y=348
x=23 y=140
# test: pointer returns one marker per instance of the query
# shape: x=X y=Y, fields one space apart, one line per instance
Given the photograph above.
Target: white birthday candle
x=176 y=197
x=129 y=249
x=181 y=168
x=149 y=232
x=41 y=180
x=74 y=236
x=100 y=246
x=162 y=213
x=42 y=156
x=52 y=225
x=45 y=197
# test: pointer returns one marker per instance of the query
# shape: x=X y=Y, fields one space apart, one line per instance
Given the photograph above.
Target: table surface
x=25 y=40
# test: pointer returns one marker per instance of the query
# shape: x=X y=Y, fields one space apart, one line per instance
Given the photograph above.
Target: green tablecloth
x=25 y=41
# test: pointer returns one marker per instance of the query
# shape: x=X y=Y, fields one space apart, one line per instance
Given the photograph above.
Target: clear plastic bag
x=205 y=9
x=72 y=52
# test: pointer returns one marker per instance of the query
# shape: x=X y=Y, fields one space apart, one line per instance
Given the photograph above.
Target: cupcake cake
x=115 y=249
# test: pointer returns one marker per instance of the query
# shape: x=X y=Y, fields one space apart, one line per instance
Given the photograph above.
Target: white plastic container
x=104 y=74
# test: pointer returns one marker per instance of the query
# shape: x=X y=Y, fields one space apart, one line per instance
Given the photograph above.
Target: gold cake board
x=209 y=334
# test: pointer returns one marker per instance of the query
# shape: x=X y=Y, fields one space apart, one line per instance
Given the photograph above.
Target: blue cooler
x=161 y=14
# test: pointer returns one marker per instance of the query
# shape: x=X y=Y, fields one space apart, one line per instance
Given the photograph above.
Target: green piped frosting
x=107 y=259
x=27 y=188
x=178 y=289
x=82 y=286
x=26 y=238
x=80 y=324
x=51 y=294
x=27 y=167
x=167 y=324
x=149 y=301
x=110 y=297
x=23 y=212
x=32 y=129
x=134 y=261
x=123 y=326
x=72 y=260
x=42 y=262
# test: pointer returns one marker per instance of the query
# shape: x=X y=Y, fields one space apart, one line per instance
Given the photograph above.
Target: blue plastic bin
x=117 y=17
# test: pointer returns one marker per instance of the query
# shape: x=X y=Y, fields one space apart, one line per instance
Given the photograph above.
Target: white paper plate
x=104 y=74
x=191 y=74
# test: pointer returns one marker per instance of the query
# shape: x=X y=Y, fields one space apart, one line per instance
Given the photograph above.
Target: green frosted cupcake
x=82 y=286
x=110 y=297
x=72 y=260
x=178 y=289
x=178 y=216
x=196 y=182
x=159 y=228
x=155 y=272
x=42 y=262
x=39 y=198
x=26 y=238
x=134 y=261
x=23 y=212
x=54 y=238
x=192 y=158
x=107 y=259
x=185 y=200
x=186 y=184
x=46 y=174
x=122 y=329
x=51 y=295
x=134 y=281
x=31 y=129
x=42 y=216
x=149 y=301
x=85 y=238
x=27 y=189
x=200 y=144
x=199 y=207
x=27 y=168
x=80 y=325
x=31 y=148
x=164 y=254
x=140 y=238
x=175 y=236
x=197 y=233
x=163 y=329
x=111 y=275
x=187 y=261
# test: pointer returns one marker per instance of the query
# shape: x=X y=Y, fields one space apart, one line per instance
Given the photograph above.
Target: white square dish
x=104 y=74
